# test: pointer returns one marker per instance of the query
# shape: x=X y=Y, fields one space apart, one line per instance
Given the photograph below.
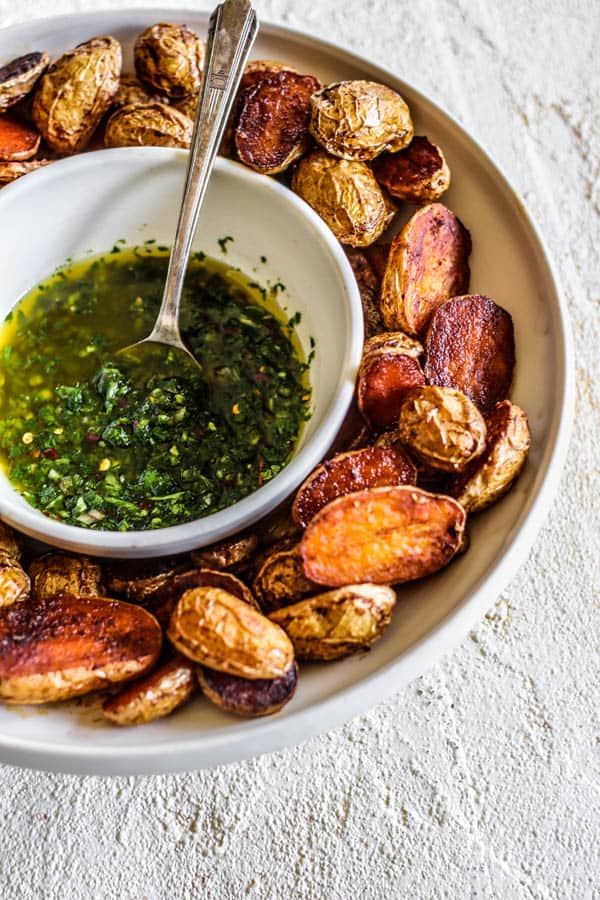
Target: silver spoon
x=231 y=33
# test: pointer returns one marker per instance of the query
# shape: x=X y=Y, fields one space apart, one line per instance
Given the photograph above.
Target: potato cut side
x=417 y=174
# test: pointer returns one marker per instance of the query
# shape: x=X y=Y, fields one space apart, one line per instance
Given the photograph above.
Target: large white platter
x=510 y=263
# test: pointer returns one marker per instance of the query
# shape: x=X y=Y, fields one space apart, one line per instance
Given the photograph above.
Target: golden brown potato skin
x=345 y=194
x=491 y=475
x=281 y=580
x=360 y=119
x=417 y=174
x=19 y=77
x=441 y=428
x=154 y=696
x=9 y=542
x=14 y=581
x=133 y=91
x=163 y=602
x=60 y=573
x=67 y=646
x=246 y=697
x=169 y=59
x=75 y=92
x=428 y=264
x=337 y=623
x=228 y=554
x=148 y=125
x=10 y=171
x=212 y=627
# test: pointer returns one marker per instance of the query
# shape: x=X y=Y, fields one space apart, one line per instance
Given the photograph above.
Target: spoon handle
x=231 y=33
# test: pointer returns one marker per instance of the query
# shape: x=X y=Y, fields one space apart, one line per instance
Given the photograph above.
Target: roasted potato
x=272 y=127
x=169 y=59
x=216 y=629
x=278 y=526
x=385 y=376
x=378 y=255
x=417 y=174
x=349 y=472
x=491 y=475
x=60 y=573
x=66 y=646
x=337 y=623
x=470 y=346
x=9 y=542
x=148 y=125
x=165 y=599
x=247 y=697
x=281 y=580
x=18 y=141
x=345 y=194
x=10 y=171
x=368 y=285
x=138 y=580
x=395 y=342
x=384 y=535
x=232 y=553
x=154 y=696
x=19 y=77
x=131 y=90
x=441 y=428
x=428 y=264
x=358 y=120
x=75 y=92
x=14 y=581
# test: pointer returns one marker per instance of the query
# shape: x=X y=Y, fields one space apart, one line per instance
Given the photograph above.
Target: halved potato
x=61 y=573
x=281 y=580
x=139 y=580
x=166 y=599
x=232 y=553
x=384 y=379
x=67 y=646
x=416 y=174
x=14 y=581
x=154 y=696
x=368 y=285
x=247 y=697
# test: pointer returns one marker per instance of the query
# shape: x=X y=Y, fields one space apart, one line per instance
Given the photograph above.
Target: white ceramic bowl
x=82 y=205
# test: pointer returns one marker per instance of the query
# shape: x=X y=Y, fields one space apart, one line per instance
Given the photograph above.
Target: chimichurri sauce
x=93 y=442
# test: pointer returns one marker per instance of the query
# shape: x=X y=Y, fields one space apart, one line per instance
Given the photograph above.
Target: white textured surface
x=481 y=779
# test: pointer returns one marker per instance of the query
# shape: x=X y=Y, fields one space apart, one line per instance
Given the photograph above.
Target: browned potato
x=166 y=598
x=232 y=553
x=76 y=91
x=378 y=255
x=441 y=428
x=349 y=472
x=19 y=77
x=14 y=581
x=428 y=264
x=491 y=475
x=470 y=346
x=154 y=696
x=9 y=542
x=139 y=580
x=247 y=697
x=272 y=128
x=59 y=573
x=278 y=526
x=188 y=106
x=337 y=623
x=384 y=535
x=148 y=125
x=18 y=141
x=393 y=341
x=368 y=285
x=417 y=174
x=360 y=119
x=169 y=59
x=384 y=378
x=345 y=194
x=66 y=646
x=10 y=171
x=133 y=91
x=281 y=580
x=212 y=627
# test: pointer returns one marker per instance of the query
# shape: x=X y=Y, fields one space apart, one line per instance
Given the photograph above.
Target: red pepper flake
x=90 y=436
x=122 y=402
x=51 y=453
x=261 y=465
x=143 y=504
x=260 y=376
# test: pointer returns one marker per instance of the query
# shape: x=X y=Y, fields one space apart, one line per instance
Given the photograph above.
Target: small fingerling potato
x=368 y=285
x=18 y=141
x=417 y=174
x=470 y=346
x=491 y=475
x=428 y=264
x=212 y=627
x=10 y=171
x=349 y=472
x=384 y=535
x=166 y=598
x=337 y=623
x=67 y=646
x=75 y=92
x=14 y=581
x=131 y=90
x=169 y=58
x=358 y=120
x=441 y=428
x=281 y=580
x=231 y=553
x=60 y=573
x=18 y=77
x=148 y=125
x=384 y=378
x=138 y=580
x=10 y=542
x=154 y=696
x=272 y=127
x=248 y=697
x=346 y=196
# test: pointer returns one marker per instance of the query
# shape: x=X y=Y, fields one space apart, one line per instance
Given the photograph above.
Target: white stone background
x=480 y=780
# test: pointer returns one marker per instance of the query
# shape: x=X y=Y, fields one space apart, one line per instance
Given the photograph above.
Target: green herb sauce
x=96 y=443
